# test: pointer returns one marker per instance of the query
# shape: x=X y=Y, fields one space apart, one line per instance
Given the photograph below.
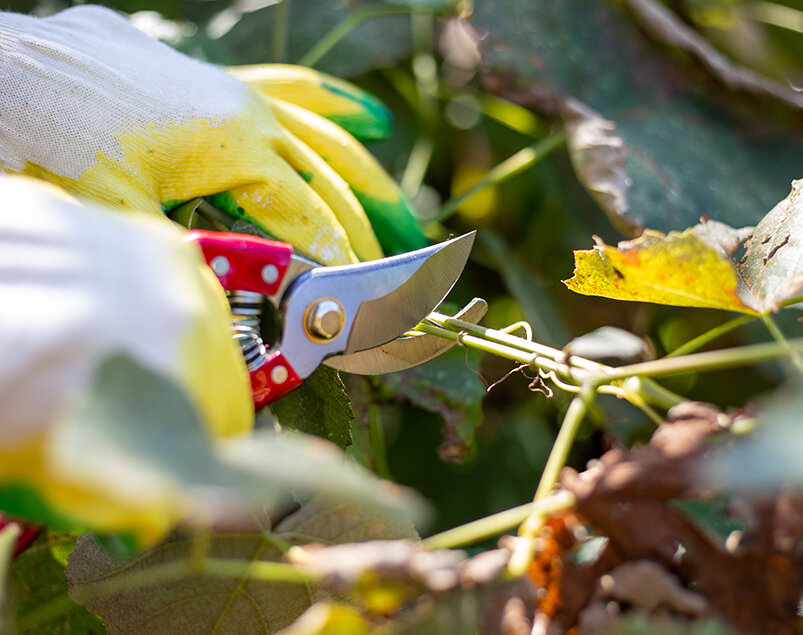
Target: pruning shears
x=351 y=317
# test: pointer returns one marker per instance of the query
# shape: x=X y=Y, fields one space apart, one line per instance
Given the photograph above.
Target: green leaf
x=688 y=146
x=40 y=588
x=320 y=406
x=448 y=386
x=218 y=603
x=772 y=269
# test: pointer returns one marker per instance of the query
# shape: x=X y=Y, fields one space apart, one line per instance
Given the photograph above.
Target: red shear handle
x=274 y=379
x=242 y=262
x=248 y=263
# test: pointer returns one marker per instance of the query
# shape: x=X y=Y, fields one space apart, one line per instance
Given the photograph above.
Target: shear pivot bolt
x=220 y=265
x=325 y=319
x=279 y=375
x=270 y=274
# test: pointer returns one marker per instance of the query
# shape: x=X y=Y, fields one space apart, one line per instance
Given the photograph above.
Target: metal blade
x=381 y=299
x=404 y=352
x=385 y=318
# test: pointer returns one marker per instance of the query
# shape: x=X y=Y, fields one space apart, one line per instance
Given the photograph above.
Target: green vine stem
x=377 y=436
x=710 y=335
x=510 y=167
x=355 y=19
x=581 y=369
x=560 y=450
x=525 y=549
x=779 y=337
x=586 y=377
x=495 y=524
x=279 y=43
x=526 y=351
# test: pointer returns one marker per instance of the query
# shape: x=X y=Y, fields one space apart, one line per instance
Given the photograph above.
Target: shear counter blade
x=404 y=352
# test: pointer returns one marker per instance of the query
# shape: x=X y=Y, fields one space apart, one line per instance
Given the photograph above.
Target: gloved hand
x=108 y=113
x=77 y=285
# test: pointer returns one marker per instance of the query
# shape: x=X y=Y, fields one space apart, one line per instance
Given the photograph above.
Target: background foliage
x=589 y=118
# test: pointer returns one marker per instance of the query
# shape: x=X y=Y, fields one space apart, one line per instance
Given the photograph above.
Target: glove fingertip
x=394 y=223
x=371 y=122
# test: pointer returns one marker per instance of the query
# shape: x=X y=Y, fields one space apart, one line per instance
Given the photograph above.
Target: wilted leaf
x=628 y=495
x=320 y=406
x=724 y=238
x=345 y=565
x=607 y=342
x=445 y=385
x=677 y=269
x=598 y=157
x=690 y=147
x=772 y=268
x=37 y=580
x=388 y=575
x=222 y=604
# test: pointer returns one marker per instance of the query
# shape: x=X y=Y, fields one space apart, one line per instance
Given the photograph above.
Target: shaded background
x=468 y=89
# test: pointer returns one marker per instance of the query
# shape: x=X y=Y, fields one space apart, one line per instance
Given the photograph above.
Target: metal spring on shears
x=246 y=308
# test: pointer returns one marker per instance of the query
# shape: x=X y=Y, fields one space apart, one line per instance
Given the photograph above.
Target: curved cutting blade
x=404 y=352
x=381 y=300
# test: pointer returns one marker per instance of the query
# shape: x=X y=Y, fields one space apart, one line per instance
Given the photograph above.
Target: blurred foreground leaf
x=688 y=146
x=677 y=269
x=391 y=578
x=136 y=440
x=205 y=603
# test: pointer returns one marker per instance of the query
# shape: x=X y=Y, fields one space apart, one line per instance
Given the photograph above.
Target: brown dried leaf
x=598 y=156
x=627 y=495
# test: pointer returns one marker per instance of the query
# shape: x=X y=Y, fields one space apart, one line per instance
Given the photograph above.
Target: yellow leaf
x=677 y=269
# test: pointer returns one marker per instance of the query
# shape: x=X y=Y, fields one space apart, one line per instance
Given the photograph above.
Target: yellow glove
x=106 y=112
x=78 y=285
